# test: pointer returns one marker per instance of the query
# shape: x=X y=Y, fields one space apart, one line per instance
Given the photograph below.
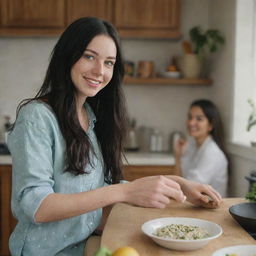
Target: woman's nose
x=98 y=68
x=191 y=121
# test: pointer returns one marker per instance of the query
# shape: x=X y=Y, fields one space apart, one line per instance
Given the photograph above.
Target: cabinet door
x=82 y=8
x=32 y=13
x=133 y=172
x=147 y=18
x=7 y=222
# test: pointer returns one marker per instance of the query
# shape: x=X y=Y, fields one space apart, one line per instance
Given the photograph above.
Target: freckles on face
x=198 y=125
x=94 y=70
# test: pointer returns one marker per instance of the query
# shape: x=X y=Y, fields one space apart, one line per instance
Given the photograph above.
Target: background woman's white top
x=206 y=164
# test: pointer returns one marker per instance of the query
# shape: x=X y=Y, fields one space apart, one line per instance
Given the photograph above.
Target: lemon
x=125 y=251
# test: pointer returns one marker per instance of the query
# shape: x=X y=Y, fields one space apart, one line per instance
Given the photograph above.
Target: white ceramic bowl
x=150 y=227
x=239 y=250
x=171 y=74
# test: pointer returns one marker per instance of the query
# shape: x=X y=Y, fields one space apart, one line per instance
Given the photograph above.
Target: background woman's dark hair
x=109 y=105
x=212 y=114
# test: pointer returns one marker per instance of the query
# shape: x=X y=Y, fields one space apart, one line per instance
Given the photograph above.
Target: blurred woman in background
x=202 y=157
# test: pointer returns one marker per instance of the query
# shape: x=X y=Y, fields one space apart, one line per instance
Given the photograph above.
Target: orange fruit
x=125 y=251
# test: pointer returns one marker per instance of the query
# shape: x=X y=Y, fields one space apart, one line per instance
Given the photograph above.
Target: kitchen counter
x=145 y=158
x=133 y=158
x=5 y=159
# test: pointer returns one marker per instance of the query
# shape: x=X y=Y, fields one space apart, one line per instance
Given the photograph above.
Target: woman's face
x=94 y=69
x=197 y=124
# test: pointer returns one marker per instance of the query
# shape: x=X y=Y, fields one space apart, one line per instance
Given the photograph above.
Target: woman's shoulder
x=212 y=148
x=36 y=112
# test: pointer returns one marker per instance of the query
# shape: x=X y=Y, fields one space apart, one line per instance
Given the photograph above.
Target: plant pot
x=191 y=66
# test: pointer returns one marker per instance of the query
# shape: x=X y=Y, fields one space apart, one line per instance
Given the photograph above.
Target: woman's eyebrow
x=94 y=52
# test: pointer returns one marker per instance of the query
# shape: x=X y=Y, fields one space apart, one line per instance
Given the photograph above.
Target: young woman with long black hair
x=202 y=158
x=66 y=146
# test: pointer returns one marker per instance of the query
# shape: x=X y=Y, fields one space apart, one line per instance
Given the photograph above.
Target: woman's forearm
x=61 y=206
x=153 y=191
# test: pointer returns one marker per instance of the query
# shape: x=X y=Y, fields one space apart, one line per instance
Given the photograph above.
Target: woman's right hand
x=180 y=147
x=153 y=191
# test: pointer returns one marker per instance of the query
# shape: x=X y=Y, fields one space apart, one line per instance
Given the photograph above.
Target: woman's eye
x=110 y=63
x=89 y=57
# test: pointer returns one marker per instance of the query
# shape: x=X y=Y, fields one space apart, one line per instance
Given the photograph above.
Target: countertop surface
x=123 y=227
x=5 y=159
x=133 y=158
x=145 y=158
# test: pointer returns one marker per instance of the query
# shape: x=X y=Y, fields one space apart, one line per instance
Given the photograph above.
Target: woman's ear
x=210 y=127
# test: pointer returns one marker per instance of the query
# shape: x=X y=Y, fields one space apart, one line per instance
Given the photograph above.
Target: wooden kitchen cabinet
x=32 y=17
x=47 y=17
x=132 y=172
x=81 y=8
x=7 y=221
x=148 y=18
x=133 y=18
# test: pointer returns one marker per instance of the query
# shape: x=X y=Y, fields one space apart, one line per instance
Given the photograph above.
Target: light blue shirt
x=38 y=153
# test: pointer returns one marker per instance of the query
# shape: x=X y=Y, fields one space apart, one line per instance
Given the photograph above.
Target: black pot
x=245 y=215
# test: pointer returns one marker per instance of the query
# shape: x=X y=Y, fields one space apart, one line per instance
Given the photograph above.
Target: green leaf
x=251 y=196
x=103 y=251
x=202 y=41
x=250 y=125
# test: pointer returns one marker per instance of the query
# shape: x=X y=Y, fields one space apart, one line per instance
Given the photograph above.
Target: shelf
x=167 y=81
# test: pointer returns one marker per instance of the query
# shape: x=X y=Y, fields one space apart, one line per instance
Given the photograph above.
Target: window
x=245 y=70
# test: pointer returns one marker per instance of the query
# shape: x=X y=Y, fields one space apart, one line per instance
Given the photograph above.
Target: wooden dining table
x=123 y=227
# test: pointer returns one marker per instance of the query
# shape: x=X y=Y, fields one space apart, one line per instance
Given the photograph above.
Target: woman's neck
x=200 y=141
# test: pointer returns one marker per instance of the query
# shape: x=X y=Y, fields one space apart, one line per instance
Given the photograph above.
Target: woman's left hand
x=199 y=194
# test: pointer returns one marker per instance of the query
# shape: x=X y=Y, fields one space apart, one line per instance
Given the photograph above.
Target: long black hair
x=212 y=114
x=108 y=105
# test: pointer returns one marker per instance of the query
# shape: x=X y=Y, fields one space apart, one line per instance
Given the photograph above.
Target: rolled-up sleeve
x=31 y=148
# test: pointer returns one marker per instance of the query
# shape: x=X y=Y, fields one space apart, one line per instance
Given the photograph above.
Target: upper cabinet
x=133 y=18
x=81 y=8
x=147 y=18
x=31 y=17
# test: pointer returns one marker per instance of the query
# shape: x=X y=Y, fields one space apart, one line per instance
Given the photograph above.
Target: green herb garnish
x=251 y=196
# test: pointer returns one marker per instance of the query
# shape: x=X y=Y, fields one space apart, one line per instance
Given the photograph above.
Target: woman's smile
x=93 y=82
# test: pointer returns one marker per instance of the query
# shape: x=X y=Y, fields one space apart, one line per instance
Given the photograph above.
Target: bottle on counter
x=131 y=143
x=156 y=141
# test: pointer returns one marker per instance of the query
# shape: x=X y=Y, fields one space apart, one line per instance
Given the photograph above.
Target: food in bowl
x=180 y=231
x=234 y=254
x=236 y=250
x=149 y=228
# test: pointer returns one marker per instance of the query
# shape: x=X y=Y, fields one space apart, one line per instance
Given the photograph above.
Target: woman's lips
x=93 y=82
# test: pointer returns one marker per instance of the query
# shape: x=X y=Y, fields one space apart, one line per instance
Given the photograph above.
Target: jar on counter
x=156 y=141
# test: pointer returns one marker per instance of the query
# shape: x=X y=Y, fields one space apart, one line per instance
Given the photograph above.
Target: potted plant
x=206 y=42
x=252 y=120
x=203 y=43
